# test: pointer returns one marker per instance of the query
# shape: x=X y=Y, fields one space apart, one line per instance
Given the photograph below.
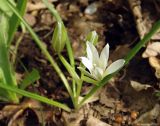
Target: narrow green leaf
x=5 y=66
x=14 y=20
x=35 y=96
x=5 y=8
x=30 y=78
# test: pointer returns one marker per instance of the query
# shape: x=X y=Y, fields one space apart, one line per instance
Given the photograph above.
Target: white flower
x=98 y=65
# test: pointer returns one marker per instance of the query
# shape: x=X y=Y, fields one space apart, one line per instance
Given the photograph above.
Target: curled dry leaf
x=138 y=86
x=152 y=50
x=155 y=63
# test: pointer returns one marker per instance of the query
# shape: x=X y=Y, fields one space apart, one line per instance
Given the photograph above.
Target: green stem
x=72 y=62
x=130 y=55
x=74 y=75
x=79 y=87
x=68 y=43
x=58 y=18
x=53 y=10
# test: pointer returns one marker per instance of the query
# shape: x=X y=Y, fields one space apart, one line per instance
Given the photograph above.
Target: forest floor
x=129 y=98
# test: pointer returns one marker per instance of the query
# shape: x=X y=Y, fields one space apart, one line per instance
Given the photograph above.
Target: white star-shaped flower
x=98 y=65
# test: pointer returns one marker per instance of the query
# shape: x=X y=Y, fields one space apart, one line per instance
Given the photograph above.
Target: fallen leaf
x=155 y=63
x=138 y=86
x=107 y=96
x=152 y=50
x=103 y=110
x=92 y=121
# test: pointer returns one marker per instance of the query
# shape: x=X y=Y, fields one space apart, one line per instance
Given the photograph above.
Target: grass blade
x=5 y=66
x=21 y=7
x=30 y=78
x=35 y=96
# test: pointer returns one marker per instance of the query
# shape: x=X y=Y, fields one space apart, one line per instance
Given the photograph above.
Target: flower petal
x=87 y=63
x=114 y=67
x=92 y=53
x=103 y=62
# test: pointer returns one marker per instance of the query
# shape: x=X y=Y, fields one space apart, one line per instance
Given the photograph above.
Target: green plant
x=7 y=74
x=98 y=73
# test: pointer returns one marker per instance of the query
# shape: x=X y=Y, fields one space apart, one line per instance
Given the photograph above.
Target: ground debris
x=149 y=117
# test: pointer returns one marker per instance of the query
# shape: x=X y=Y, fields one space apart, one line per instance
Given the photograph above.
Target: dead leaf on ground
x=151 y=52
x=109 y=96
x=37 y=6
x=152 y=49
x=14 y=113
x=138 y=86
x=92 y=121
x=103 y=110
x=155 y=63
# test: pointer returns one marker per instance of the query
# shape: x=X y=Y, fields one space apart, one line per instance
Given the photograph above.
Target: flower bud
x=92 y=37
x=59 y=37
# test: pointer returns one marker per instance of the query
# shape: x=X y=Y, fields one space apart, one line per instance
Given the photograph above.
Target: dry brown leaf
x=92 y=121
x=103 y=110
x=14 y=113
x=39 y=5
x=152 y=50
x=155 y=63
x=138 y=86
x=109 y=96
